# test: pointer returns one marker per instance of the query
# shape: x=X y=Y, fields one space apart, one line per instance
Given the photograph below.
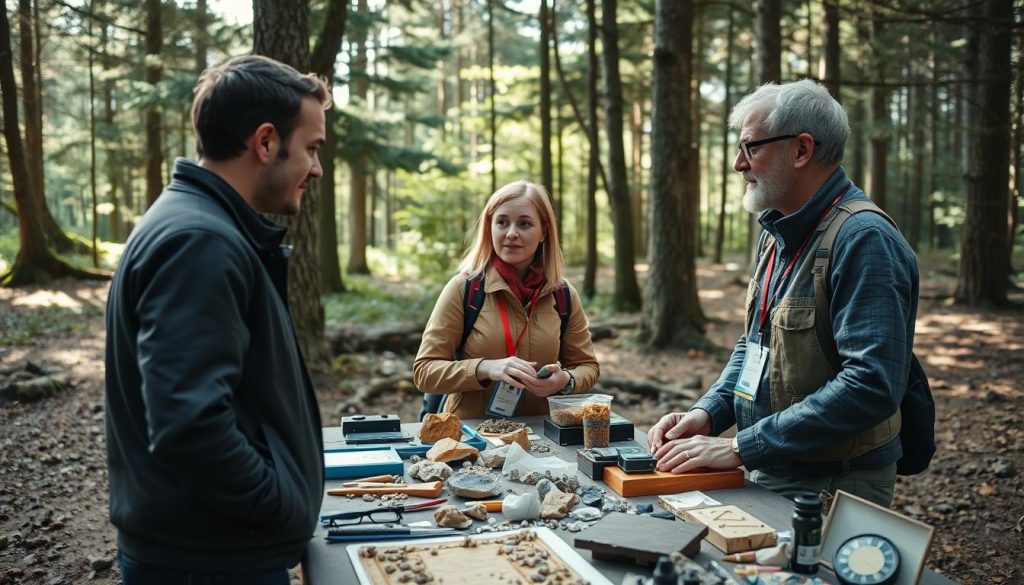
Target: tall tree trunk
x=32 y=102
x=360 y=166
x=726 y=147
x=442 y=82
x=1017 y=186
x=879 y=145
x=919 y=150
x=828 y=65
x=626 y=296
x=636 y=204
x=492 y=92
x=693 y=171
x=34 y=263
x=92 y=145
x=202 y=42
x=546 y=172
x=322 y=62
x=154 y=145
x=768 y=33
x=593 y=159
x=983 y=275
x=281 y=31
x=111 y=158
x=672 y=312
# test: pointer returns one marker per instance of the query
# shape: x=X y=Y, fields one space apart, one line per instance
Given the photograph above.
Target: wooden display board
x=658 y=482
x=733 y=530
x=507 y=557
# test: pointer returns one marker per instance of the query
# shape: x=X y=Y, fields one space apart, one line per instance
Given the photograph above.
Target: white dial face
x=866 y=560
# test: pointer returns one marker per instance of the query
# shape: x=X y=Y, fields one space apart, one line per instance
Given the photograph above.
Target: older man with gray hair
x=815 y=383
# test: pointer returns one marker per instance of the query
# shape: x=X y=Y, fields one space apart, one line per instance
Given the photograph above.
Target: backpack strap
x=822 y=261
x=563 y=304
x=472 y=301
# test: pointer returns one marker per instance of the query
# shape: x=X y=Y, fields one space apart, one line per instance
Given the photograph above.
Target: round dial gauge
x=867 y=559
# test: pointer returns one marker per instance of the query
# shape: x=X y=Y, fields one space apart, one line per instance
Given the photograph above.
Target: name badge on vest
x=753 y=366
x=504 y=400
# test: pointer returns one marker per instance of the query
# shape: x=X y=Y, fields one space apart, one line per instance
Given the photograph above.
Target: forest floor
x=53 y=495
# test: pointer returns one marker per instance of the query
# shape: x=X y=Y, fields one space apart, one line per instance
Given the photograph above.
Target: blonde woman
x=531 y=338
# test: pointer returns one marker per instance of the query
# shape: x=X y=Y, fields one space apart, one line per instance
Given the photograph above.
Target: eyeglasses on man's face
x=750 y=148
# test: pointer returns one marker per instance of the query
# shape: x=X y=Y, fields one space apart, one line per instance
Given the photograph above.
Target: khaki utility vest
x=803 y=356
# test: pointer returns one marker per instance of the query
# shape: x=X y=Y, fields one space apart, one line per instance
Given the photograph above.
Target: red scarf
x=522 y=288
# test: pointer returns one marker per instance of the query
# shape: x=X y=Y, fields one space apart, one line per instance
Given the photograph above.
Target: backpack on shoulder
x=473 y=296
x=917 y=409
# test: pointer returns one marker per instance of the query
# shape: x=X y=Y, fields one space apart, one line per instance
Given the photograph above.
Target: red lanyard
x=512 y=348
x=765 y=303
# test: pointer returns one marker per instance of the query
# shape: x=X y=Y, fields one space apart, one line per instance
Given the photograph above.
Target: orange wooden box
x=659 y=482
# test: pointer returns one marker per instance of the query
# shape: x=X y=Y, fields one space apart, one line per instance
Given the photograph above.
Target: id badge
x=750 y=376
x=504 y=400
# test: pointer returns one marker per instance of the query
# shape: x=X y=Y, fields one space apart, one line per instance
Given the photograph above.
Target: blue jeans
x=135 y=572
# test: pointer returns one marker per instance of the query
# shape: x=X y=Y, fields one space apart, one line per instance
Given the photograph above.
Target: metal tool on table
x=423 y=490
x=384 y=532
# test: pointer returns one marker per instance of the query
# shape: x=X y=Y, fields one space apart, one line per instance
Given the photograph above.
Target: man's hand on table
x=679 y=425
x=682 y=455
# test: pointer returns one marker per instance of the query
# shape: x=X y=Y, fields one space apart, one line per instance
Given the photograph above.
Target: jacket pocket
x=798 y=364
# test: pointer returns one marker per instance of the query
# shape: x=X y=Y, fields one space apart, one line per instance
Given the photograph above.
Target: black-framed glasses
x=391 y=515
x=745 y=147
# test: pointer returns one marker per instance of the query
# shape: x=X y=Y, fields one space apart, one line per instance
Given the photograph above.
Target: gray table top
x=329 y=563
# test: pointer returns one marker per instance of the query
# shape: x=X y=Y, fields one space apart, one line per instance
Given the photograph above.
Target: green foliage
x=374 y=300
x=26 y=326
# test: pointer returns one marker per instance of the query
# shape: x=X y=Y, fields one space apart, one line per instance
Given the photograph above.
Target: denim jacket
x=874 y=279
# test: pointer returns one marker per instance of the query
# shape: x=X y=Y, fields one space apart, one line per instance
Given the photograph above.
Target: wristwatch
x=570 y=386
x=736 y=445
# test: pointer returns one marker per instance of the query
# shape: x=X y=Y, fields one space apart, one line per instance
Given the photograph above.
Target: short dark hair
x=235 y=97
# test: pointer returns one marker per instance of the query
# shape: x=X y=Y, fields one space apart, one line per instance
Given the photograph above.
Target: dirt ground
x=53 y=495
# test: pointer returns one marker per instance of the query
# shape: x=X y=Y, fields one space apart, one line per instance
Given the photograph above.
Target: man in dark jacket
x=213 y=430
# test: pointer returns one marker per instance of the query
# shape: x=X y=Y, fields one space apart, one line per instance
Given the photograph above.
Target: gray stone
x=430 y=471
x=474 y=485
x=644 y=508
x=586 y=514
x=100 y=564
x=664 y=515
x=494 y=458
x=543 y=487
x=591 y=495
x=1004 y=468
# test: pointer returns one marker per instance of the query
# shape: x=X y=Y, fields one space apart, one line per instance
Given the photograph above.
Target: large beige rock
x=450 y=450
x=522 y=436
x=557 y=504
x=438 y=426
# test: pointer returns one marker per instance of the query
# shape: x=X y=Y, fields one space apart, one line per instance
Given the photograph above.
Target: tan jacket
x=436 y=371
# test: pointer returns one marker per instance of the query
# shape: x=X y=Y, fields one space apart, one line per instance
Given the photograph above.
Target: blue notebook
x=362 y=461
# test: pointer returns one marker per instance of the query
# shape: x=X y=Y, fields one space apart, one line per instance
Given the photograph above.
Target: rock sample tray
x=658 y=482
x=507 y=557
x=640 y=539
x=731 y=529
x=620 y=429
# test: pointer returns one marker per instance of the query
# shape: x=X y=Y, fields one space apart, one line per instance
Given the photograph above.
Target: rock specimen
x=586 y=514
x=557 y=504
x=452 y=517
x=592 y=495
x=499 y=426
x=448 y=449
x=522 y=436
x=439 y=426
x=543 y=487
x=474 y=483
x=475 y=510
x=494 y=457
x=517 y=507
x=430 y=471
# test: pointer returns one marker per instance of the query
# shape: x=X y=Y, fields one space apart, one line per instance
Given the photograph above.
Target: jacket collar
x=493 y=282
x=262 y=234
x=790 y=230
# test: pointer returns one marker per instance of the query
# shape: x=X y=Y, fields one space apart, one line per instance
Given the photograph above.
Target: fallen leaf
x=986 y=490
